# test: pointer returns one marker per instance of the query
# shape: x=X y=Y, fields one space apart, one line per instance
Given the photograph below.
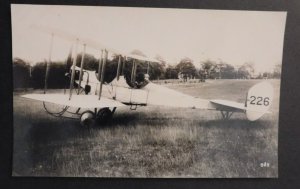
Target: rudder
x=259 y=100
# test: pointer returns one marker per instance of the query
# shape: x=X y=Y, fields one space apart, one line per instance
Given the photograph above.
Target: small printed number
x=265 y=164
x=259 y=100
x=266 y=101
x=253 y=98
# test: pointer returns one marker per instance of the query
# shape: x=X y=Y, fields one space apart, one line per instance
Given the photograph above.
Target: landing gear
x=226 y=115
x=104 y=115
x=89 y=118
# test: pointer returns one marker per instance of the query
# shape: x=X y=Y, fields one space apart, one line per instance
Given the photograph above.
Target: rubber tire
x=103 y=116
x=90 y=125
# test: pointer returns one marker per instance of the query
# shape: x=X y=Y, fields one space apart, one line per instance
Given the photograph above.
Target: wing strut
x=81 y=68
x=119 y=67
x=133 y=71
x=48 y=64
x=100 y=65
x=123 y=66
x=99 y=70
x=102 y=72
x=73 y=70
x=148 y=67
x=226 y=114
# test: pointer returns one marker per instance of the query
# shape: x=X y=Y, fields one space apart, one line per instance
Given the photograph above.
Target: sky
x=234 y=37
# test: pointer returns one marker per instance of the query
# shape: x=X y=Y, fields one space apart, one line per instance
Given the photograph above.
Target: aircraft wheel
x=104 y=115
x=87 y=119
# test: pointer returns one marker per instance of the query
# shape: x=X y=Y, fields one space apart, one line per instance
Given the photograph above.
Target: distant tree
x=56 y=77
x=246 y=70
x=277 y=71
x=156 y=71
x=186 y=67
x=127 y=65
x=111 y=69
x=267 y=75
x=209 y=66
x=259 y=76
x=38 y=74
x=69 y=61
x=21 y=73
x=90 y=62
x=202 y=74
x=162 y=66
x=226 y=71
x=171 y=72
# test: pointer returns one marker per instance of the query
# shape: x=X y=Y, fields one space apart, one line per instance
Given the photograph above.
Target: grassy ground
x=151 y=141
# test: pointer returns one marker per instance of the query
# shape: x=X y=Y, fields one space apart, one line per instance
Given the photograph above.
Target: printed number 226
x=259 y=100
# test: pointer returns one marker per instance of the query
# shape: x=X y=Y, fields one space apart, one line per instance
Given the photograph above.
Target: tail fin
x=259 y=100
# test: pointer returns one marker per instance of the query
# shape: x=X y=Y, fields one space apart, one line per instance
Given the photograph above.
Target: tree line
x=27 y=76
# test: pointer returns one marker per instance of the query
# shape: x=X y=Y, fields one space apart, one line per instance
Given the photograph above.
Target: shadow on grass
x=38 y=140
x=236 y=123
x=45 y=130
x=126 y=119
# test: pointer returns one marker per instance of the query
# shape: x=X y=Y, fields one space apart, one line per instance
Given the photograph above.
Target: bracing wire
x=60 y=113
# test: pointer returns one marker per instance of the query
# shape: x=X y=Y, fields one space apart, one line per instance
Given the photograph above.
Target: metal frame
x=119 y=67
x=102 y=72
x=81 y=68
x=73 y=70
x=48 y=64
x=226 y=114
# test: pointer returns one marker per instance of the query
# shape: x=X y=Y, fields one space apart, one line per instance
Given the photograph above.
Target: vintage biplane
x=92 y=100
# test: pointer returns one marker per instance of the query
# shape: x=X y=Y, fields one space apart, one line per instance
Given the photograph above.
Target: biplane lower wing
x=82 y=101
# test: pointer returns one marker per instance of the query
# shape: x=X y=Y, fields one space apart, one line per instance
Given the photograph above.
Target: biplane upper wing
x=140 y=57
x=86 y=41
x=82 y=101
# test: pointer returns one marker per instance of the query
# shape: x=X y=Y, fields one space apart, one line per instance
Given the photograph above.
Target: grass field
x=150 y=141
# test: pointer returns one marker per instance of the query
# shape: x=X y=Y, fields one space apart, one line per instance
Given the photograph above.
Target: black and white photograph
x=132 y=92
